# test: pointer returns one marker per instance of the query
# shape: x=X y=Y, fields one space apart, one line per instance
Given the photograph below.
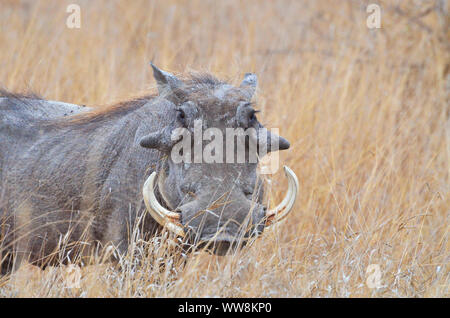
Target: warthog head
x=213 y=201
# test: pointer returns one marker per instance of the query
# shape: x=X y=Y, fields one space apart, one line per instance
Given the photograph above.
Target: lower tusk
x=168 y=219
x=283 y=209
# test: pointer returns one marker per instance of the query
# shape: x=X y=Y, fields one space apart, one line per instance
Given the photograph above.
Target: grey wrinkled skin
x=70 y=173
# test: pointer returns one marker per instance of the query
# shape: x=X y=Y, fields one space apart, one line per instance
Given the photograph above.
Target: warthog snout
x=223 y=228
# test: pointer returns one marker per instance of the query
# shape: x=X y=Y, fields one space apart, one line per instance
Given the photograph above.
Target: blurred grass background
x=366 y=111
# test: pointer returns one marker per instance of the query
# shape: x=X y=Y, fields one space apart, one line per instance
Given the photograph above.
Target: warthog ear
x=158 y=140
x=249 y=83
x=167 y=83
x=283 y=143
x=271 y=142
x=151 y=141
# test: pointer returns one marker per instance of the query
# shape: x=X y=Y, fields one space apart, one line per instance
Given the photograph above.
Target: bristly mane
x=193 y=82
x=99 y=113
x=8 y=94
x=203 y=79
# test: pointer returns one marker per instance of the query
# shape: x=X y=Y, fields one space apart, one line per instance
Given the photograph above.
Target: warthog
x=78 y=174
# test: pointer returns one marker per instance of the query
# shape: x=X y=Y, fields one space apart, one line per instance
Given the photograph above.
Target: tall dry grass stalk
x=366 y=110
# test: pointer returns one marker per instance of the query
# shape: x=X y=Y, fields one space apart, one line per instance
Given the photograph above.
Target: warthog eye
x=181 y=116
x=252 y=115
x=248 y=194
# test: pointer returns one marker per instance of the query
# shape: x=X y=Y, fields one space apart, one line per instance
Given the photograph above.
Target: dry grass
x=366 y=111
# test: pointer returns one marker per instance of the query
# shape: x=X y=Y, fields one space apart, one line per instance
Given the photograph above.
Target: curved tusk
x=283 y=209
x=166 y=218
